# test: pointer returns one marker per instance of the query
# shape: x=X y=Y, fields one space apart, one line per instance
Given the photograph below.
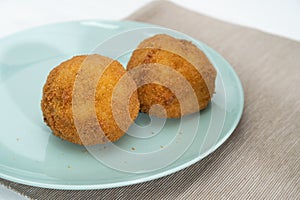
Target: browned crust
x=58 y=95
x=185 y=58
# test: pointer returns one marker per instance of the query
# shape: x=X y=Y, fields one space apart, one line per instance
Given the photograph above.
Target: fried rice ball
x=176 y=55
x=78 y=99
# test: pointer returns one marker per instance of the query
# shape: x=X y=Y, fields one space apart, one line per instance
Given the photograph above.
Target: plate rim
x=142 y=179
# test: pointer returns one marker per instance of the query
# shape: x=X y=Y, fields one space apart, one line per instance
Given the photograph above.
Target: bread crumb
x=84 y=151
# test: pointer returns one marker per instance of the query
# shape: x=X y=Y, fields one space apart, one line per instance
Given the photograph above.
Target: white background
x=280 y=17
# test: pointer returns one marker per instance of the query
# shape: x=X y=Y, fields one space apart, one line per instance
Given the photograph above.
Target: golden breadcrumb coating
x=68 y=90
x=181 y=56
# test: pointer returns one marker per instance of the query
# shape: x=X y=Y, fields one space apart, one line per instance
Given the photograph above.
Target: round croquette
x=178 y=55
x=78 y=100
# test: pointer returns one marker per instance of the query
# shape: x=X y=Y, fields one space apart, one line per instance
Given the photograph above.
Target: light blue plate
x=30 y=154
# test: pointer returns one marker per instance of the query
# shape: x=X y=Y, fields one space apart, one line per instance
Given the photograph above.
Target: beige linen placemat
x=261 y=160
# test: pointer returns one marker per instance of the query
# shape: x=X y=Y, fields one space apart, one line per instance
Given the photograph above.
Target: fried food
x=80 y=104
x=162 y=61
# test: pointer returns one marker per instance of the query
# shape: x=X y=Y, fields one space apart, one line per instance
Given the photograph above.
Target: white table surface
x=274 y=16
x=281 y=17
